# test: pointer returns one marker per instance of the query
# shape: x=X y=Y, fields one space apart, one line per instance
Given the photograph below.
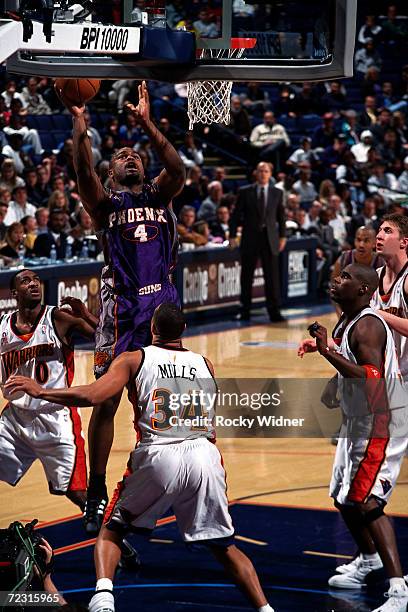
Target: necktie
x=262 y=204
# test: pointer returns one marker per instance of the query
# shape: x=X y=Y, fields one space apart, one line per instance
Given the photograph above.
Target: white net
x=209 y=101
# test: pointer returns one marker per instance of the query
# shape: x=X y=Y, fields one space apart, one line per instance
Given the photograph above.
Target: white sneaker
x=397 y=599
x=102 y=602
x=355 y=579
x=349 y=567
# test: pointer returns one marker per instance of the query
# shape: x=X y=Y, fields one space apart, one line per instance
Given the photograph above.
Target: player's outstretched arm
x=90 y=188
x=120 y=372
x=171 y=180
x=66 y=324
x=398 y=324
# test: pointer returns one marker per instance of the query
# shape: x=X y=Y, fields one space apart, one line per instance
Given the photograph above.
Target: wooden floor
x=293 y=472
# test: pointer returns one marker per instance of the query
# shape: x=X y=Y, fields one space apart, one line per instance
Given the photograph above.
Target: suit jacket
x=44 y=242
x=249 y=215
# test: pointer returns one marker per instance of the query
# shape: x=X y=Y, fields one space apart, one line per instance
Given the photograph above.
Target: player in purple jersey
x=139 y=234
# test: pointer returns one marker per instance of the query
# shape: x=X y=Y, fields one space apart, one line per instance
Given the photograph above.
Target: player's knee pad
x=372 y=515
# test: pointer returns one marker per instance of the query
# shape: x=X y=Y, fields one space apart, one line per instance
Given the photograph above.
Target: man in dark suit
x=55 y=236
x=261 y=214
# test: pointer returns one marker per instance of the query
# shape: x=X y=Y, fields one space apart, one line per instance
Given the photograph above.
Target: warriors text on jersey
x=395 y=303
x=171 y=389
x=40 y=355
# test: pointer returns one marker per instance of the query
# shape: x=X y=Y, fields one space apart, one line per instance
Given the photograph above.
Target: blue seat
x=47 y=140
x=308 y=122
x=44 y=123
x=62 y=122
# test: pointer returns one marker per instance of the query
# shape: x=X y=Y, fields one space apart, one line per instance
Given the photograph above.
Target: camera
x=20 y=556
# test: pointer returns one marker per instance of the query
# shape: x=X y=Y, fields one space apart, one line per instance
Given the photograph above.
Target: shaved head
x=365 y=274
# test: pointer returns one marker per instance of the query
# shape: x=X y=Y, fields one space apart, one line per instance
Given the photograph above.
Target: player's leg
x=241 y=570
x=201 y=508
x=16 y=455
x=60 y=446
x=106 y=555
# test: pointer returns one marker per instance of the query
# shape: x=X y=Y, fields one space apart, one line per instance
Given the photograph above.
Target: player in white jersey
x=175 y=463
x=35 y=342
x=391 y=297
x=371 y=444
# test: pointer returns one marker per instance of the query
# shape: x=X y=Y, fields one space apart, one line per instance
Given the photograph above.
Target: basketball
x=77 y=92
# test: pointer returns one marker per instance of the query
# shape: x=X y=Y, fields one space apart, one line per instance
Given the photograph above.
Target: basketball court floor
x=278 y=491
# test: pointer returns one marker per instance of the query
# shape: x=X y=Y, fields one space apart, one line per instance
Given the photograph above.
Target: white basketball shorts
x=189 y=476
x=55 y=438
x=366 y=465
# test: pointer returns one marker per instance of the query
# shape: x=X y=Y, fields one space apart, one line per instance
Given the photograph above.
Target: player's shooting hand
x=78 y=308
x=320 y=334
x=306 y=346
x=21 y=383
x=76 y=111
x=142 y=110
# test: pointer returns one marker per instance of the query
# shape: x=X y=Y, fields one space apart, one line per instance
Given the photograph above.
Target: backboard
x=295 y=41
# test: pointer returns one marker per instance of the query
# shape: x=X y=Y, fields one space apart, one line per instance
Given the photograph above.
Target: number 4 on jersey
x=140 y=233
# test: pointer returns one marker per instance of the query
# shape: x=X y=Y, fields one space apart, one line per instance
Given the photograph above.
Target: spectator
x=119 y=92
x=30 y=135
x=303 y=153
x=42 y=190
x=285 y=104
x=194 y=190
x=83 y=233
x=30 y=231
x=360 y=150
x=303 y=186
x=92 y=132
x=270 y=139
x=368 y=117
x=19 y=207
x=42 y=215
x=10 y=92
x=32 y=100
x=333 y=155
x=3 y=226
x=369 y=30
x=285 y=184
x=313 y=214
x=334 y=101
x=129 y=132
x=202 y=229
x=379 y=178
x=5 y=196
x=167 y=130
x=255 y=99
x=403 y=178
x=240 y=122
x=367 y=218
x=383 y=123
x=8 y=176
x=14 y=239
x=326 y=190
x=307 y=101
x=324 y=135
x=338 y=221
x=55 y=236
x=328 y=245
x=58 y=199
x=394 y=32
x=349 y=127
x=205 y=26
x=13 y=150
x=371 y=85
x=348 y=173
x=220 y=228
x=190 y=154
x=208 y=208
x=367 y=57
x=391 y=151
x=187 y=218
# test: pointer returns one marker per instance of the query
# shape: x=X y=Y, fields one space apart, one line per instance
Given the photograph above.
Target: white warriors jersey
x=353 y=397
x=394 y=303
x=40 y=355
x=173 y=396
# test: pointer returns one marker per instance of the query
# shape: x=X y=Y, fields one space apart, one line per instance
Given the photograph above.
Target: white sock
x=265 y=608
x=374 y=557
x=104 y=584
x=397 y=581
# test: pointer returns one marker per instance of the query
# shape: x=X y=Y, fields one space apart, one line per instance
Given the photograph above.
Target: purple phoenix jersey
x=140 y=250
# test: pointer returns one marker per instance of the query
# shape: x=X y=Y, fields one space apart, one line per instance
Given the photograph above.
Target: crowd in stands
x=338 y=151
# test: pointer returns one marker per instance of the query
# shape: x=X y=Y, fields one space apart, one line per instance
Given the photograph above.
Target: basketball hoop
x=209 y=101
